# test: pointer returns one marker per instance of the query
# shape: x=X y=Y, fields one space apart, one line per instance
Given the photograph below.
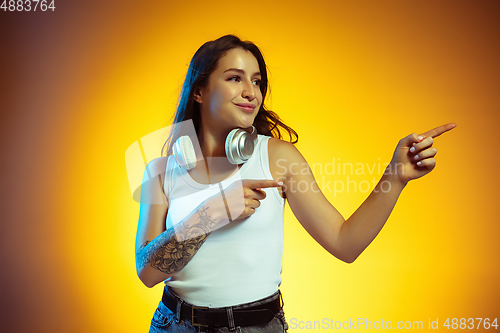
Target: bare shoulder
x=151 y=190
x=282 y=154
x=281 y=148
x=158 y=165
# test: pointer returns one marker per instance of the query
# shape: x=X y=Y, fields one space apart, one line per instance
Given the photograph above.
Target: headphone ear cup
x=228 y=146
x=239 y=146
x=184 y=152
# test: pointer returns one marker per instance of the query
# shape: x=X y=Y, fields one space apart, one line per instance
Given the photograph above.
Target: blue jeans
x=164 y=320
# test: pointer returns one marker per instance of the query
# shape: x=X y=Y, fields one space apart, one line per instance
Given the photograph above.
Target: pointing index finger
x=435 y=132
x=263 y=183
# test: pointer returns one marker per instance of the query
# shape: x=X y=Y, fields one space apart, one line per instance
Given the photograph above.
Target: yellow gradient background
x=82 y=83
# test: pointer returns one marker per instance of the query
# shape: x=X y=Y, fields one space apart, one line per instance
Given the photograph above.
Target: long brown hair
x=204 y=62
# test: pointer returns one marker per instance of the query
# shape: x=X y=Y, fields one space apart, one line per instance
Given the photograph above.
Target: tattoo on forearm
x=167 y=254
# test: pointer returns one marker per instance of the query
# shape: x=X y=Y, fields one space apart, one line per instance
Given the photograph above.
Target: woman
x=218 y=248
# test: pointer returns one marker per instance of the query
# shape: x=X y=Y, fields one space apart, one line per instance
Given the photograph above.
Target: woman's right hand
x=242 y=197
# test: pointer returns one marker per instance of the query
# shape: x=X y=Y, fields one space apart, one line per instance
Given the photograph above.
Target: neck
x=212 y=139
x=212 y=142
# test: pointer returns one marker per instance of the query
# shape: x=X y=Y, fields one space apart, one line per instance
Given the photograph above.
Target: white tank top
x=240 y=262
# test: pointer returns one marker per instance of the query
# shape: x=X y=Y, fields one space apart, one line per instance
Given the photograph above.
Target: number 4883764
x=27 y=5
x=470 y=323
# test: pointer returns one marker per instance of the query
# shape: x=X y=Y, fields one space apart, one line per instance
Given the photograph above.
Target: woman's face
x=232 y=96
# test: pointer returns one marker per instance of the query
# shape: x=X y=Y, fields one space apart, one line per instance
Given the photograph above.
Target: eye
x=235 y=78
x=257 y=82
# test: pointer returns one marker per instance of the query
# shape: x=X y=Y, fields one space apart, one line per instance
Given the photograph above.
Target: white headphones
x=239 y=148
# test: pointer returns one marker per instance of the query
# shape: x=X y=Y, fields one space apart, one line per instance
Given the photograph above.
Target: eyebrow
x=240 y=71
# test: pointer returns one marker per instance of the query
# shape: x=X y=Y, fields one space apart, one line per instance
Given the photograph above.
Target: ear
x=197 y=95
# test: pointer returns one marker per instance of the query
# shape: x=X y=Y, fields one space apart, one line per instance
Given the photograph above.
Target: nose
x=248 y=91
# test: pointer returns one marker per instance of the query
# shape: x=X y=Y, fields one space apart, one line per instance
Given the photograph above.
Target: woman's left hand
x=414 y=155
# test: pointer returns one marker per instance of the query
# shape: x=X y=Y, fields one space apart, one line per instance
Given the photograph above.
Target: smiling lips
x=247 y=107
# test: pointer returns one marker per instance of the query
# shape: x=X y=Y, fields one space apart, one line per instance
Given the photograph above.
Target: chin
x=247 y=122
x=245 y=125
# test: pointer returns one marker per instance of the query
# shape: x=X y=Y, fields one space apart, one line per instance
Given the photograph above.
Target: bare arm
x=347 y=239
x=361 y=228
x=412 y=159
x=164 y=255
